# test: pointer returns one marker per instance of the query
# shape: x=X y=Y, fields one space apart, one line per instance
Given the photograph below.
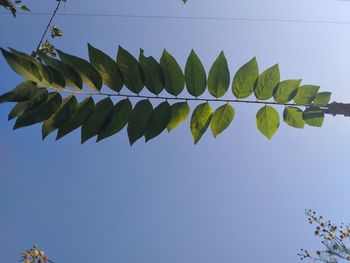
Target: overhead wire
x=207 y=18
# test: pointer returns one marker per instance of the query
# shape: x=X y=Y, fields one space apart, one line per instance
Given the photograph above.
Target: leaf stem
x=157 y=97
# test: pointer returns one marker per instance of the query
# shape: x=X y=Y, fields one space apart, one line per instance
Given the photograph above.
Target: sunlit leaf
x=244 y=80
x=221 y=119
x=195 y=76
x=267 y=121
x=313 y=116
x=266 y=83
x=306 y=94
x=286 y=90
x=219 y=77
x=179 y=113
x=322 y=99
x=173 y=76
x=293 y=116
x=200 y=121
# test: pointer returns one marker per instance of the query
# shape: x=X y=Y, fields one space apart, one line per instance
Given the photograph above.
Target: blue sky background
x=237 y=198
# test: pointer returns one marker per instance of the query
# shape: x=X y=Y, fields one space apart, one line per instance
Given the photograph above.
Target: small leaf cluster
x=12 y=6
x=105 y=118
x=34 y=255
x=335 y=240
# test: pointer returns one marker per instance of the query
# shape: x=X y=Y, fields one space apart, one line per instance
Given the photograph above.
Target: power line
x=207 y=18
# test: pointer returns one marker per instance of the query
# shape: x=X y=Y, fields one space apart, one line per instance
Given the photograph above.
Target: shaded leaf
x=107 y=68
x=266 y=83
x=58 y=81
x=286 y=90
x=219 y=77
x=63 y=114
x=95 y=121
x=38 y=98
x=153 y=74
x=313 y=116
x=221 y=119
x=179 y=113
x=159 y=121
x=200 y=121
x=72 y=78
x=86 y=71
x=244 y=79
x=21 y=66
x=322 y=99
x=293 y=116
x=81 y=114
x=267 y=121
x=131 y=70
x=139 y=119
x=306 y=94
x=46 y=76
x=22 y=92
x=195 y=76
x=173 y=76
x=40 y=113
x=117 y=119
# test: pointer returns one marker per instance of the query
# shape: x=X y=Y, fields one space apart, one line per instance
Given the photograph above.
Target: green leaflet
x=139 y=119
x=40 y=113
x=107 y=68
x=221 y=119
x=173 y=76
x=243 y=81
x=322 y=99
x=313 y=116
x=95 y=121
x=219 y=77
x=22 y=92
x=63 y=114
x=293 y=116
x=195 y=76
x=46 y=75
x=82 y=112
x=153 y=74
x=131 y=70
x=86 y=71
x=159 y=121
x=267 y=121
x=117 y=119
x=266 y=83
x=179 y=113
x=200 y=121
x=306 y=94
x=72 y=78
x=38 y=98
x=58 y=80
x=21 y=66
x=286 y=90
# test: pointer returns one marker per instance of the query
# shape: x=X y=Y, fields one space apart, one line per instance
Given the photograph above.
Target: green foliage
x=146 y=119
x=13 y=6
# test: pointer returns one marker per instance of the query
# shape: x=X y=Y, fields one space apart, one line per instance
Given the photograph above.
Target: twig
x=49 y=24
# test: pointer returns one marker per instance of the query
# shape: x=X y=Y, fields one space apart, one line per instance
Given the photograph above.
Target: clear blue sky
x=237 y=198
